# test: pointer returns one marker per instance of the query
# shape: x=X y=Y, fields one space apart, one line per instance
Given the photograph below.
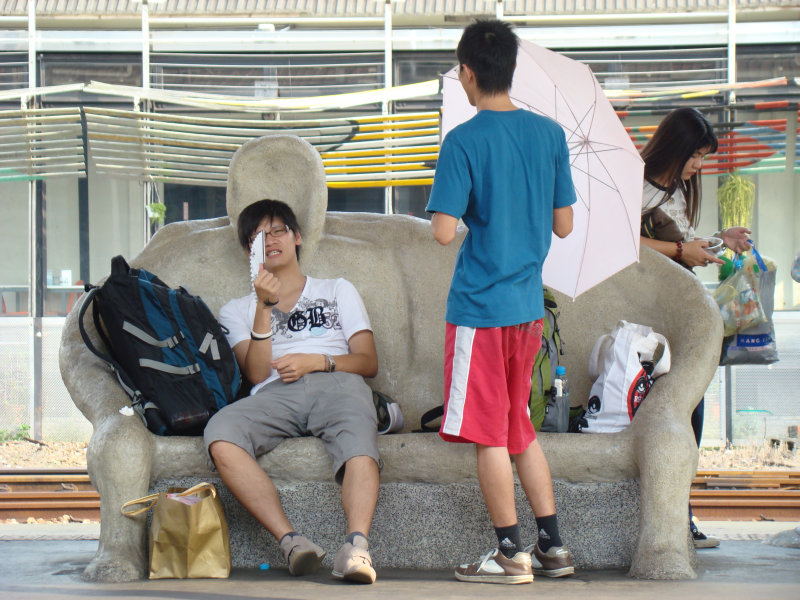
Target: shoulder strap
x=88 y=301
x=119 y=266
x=429 y=416
x=123 y=378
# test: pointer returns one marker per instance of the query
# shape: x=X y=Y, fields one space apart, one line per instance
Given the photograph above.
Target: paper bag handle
x=198 y=487
x=150 y=501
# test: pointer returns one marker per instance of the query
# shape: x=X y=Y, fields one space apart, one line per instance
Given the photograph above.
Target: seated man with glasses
x=306 y=344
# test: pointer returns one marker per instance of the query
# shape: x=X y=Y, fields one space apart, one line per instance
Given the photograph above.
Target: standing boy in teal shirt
x=506 y=173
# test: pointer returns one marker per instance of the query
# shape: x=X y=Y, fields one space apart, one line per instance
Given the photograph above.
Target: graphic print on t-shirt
x=315 y=316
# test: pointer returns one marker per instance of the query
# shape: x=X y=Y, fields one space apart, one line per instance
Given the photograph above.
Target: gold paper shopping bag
x=188 y=533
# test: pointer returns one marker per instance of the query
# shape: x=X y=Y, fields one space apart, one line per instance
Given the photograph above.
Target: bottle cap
x=560 y=370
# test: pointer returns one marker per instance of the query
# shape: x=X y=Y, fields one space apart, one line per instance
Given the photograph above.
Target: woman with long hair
x=671 y=208
x=671 y=198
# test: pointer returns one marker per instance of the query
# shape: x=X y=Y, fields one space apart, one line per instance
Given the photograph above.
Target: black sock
x=548 y=532
x=353 y=535
x=508 y=540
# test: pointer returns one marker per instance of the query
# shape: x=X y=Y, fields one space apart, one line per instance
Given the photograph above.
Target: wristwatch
x=331 y=363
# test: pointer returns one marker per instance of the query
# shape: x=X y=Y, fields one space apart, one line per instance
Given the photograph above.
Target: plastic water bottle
x=561 y=383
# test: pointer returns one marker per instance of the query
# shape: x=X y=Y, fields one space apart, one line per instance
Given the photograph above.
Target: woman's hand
x=736 y=238
x=695 y=254
x=266 y=286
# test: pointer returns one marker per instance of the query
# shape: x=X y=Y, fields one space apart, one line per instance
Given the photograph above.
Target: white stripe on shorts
x=462 y=355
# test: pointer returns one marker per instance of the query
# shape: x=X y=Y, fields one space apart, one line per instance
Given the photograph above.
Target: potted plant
x=736 y=197
x=157 y=212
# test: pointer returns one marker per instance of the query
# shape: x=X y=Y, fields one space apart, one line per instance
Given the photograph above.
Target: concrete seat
x=621 y=498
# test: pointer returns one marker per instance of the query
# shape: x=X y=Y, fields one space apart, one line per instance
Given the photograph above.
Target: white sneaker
x=303 y=555
x=494 y=567
x=354 y=563
x=556 y=562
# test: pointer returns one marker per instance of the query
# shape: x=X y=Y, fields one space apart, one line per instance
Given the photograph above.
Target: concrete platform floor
x=45 y=561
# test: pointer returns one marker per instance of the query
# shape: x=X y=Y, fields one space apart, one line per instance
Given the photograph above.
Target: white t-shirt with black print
x=327 y=314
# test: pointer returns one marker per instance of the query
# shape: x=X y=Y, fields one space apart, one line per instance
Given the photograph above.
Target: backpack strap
x=101 y=331
x=90 y=299
x=171 y=369
x=431 y=415
x=119 y=266
x=135 y=331
x=209 y=343
x=122 y=376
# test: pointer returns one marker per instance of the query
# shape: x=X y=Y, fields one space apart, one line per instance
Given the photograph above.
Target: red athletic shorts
x=487 y=384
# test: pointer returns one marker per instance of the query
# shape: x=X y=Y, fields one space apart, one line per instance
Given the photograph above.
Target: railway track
x=45 y=494
x=715 y=495
x=746 y=495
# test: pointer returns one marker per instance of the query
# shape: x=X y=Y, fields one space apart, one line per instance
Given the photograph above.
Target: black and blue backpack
x=166 y=348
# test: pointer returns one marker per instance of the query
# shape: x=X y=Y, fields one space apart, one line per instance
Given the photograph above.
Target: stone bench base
x=429 y=526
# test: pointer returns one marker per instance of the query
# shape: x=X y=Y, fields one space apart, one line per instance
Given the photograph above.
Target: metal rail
x=746 y=495
x=47 y=494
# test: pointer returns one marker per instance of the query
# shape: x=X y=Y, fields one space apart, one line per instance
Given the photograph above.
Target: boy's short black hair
x=250 y=218
x=489 y=47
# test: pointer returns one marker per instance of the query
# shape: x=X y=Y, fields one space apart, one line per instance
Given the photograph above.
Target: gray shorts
x=335 y=407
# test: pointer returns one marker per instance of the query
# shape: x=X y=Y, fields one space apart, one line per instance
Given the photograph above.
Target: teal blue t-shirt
x=502 y=173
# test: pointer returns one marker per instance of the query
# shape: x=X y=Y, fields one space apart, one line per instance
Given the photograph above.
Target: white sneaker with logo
x=494 y=567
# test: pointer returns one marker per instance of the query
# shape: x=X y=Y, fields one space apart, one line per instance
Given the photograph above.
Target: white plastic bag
x=624 y=364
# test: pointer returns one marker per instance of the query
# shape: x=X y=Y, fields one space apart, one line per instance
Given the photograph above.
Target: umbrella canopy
x=606 y=168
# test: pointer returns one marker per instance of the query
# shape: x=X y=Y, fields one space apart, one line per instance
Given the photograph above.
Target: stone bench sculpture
x=622 y=498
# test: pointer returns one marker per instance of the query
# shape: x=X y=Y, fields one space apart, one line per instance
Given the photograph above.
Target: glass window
x=268 y=75
x=14 y=246
x=414 y=67
x=356 y=199
x=114 y=68
x=13 y=71
x=412 y=200
x=191 y=202
x=764 y=62
x=62 y=245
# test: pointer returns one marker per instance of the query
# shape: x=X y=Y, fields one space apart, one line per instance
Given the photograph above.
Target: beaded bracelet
x=679 y=253
x=269 y=304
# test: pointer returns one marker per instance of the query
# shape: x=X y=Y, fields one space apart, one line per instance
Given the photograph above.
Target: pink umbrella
x=606 y=168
